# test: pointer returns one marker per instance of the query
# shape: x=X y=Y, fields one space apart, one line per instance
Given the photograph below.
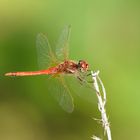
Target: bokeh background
x=105 y=33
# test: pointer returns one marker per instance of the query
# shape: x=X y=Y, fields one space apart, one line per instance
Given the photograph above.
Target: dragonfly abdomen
x=30 y=73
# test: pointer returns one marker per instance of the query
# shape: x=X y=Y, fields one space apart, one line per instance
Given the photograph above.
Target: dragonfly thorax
x=71 y=67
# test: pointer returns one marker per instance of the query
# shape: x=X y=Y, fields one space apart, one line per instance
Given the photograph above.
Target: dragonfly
x=55 y=62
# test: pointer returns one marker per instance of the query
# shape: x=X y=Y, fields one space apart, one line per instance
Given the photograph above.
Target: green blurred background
x=105 y=33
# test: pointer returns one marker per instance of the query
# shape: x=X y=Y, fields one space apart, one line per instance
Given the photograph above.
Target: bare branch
x=95 y=138
x=101 y=104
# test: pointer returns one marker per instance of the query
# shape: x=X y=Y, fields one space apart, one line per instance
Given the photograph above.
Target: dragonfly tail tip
x=7 y=74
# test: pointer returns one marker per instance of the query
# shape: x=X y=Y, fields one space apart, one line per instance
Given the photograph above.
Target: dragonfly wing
x=62 y=47
x=44 y=51
x=81 y=86
x=61 y=93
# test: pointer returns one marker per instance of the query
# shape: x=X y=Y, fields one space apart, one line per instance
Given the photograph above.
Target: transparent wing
x=45 y=53
x=62 y=48
x=61 y=93
x=82 y=87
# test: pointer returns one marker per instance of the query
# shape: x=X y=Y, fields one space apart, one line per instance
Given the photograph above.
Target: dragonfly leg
x=80 y=80
x=89 y=74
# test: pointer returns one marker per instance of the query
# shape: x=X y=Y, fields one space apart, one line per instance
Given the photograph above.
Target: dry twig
x=101 y=104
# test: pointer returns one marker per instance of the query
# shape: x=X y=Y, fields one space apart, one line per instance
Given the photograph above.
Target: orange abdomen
x=30 y=73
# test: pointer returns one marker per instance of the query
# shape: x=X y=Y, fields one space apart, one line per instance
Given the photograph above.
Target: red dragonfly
x=55 y=62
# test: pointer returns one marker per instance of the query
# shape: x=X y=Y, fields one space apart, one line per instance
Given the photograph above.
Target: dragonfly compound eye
x=83 y=65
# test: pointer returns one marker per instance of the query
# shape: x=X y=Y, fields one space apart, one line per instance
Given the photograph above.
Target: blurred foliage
x=105 y=33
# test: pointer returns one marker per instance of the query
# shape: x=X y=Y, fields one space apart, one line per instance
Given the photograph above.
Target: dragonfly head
x=82 y=65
